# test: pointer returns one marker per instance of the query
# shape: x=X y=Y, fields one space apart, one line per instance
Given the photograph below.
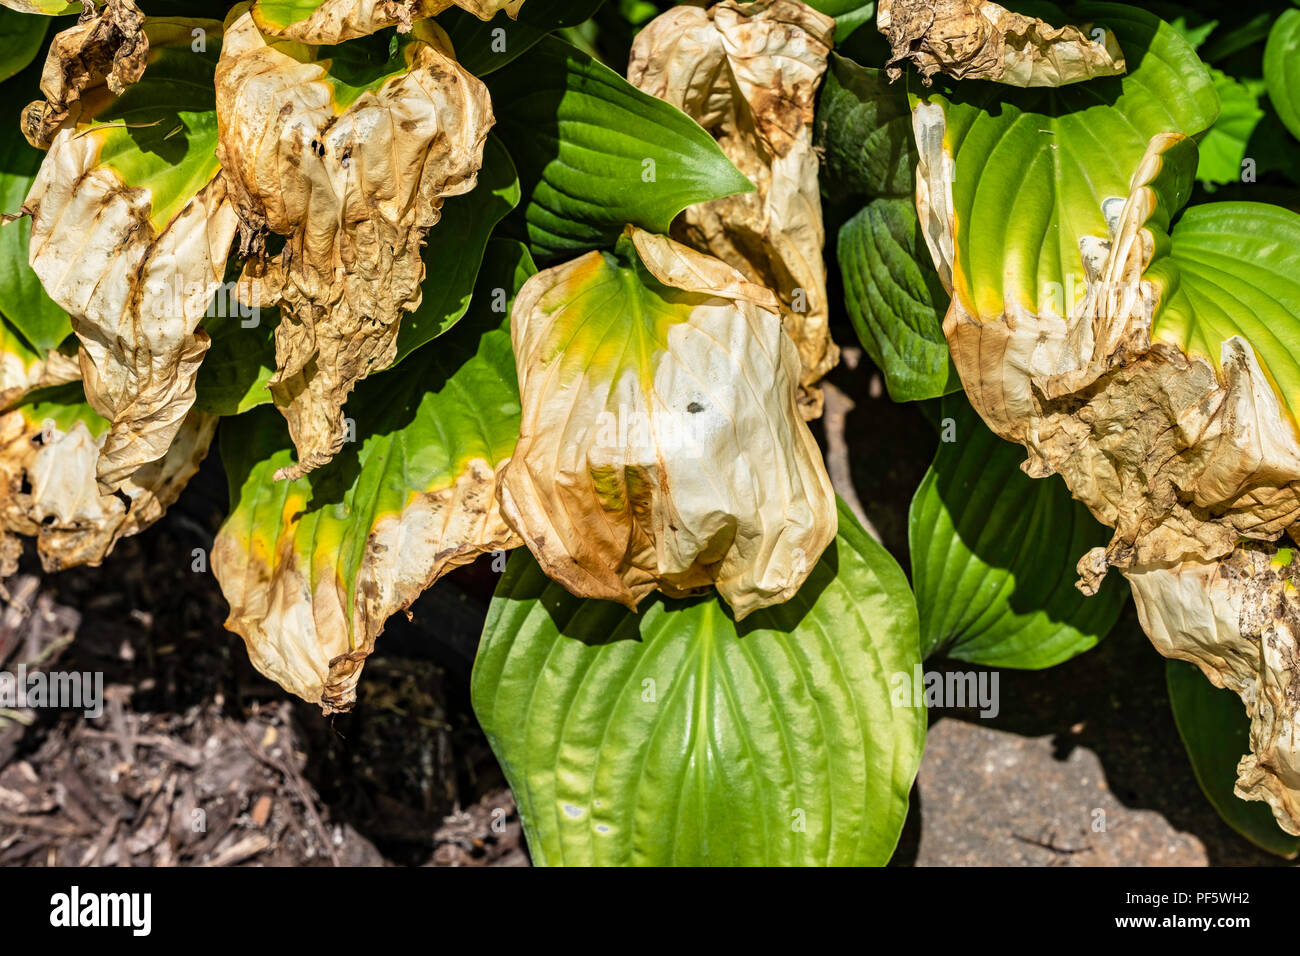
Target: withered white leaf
x=980 y=40
x=1238 y=619
x=661 y=444
x=748 y=73
x=353 y=177
x=49 y=491
x=132 y=242
x=334 y=21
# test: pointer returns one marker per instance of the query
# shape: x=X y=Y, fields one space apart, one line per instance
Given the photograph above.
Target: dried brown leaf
x=661 y=445
x=980 y=40
x=748 y=73
x=354 y=190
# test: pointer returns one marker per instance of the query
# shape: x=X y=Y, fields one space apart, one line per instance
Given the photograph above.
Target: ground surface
x=199 y=760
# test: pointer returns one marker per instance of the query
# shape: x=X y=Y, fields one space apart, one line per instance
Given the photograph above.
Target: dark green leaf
x=486 y=45
x=594 y=153
x=864 y=130
x=895 y=300
x=1282 y=69
x=21 y=38
x=994 y=554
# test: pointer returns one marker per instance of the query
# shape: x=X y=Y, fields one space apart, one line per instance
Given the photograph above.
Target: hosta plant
x=440 y=284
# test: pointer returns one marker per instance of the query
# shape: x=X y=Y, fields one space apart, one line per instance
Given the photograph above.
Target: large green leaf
x=312 y=568
x=22 y=299
x=1237 y=276
x=864 y=132
x=1216 y=732
x=1282 y=69
x=45 y=8
x=21 y=38
x=895 y=299
x=676 y=736
x=486 y=45
x=595 y=153
x=994 y=554
x=1033 y=167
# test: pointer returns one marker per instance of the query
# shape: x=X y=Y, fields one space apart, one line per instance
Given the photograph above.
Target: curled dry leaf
x=334 y=21
x=130 y=233
x=1238 y=619
x=313 y=568
x=661 y=444
x=748 y=73
x=979 y=40
x=48 y=455
x=108 y=48
x=351 y=164
x=1165 y=395
x=23 y=369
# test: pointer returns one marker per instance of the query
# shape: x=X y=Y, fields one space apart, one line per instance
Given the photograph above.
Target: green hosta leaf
x=675 y=736
x=1216 y=732
x=864 y=130
x=1224 y=146
x=895 y=299
x=455 y=249
x=486 y=45
x=994 y=553
x=21 y=38
x=313 y=568
x=1236 y=265
x=1282 y=69
x=595 y=153
x=1034 y=166
x=22 y=300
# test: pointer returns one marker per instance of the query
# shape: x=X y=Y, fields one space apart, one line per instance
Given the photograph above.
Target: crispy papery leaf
x=130 y=233
x=1237 y=619
x=486 y=45
x=24 y=369
x=236 y=374
x=763 y=63
x=1282 y=69
x=993 y=555
x=595 y=153
x=22 y=299
x=677 y=737
x=980 y=40
x=49 y=446
x=1215 y=733
x=108 y=49
x=313 y=568
x=349 y=153
x=21 y=38
x=661 y=443
x=895 y=300
x=333 y=21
